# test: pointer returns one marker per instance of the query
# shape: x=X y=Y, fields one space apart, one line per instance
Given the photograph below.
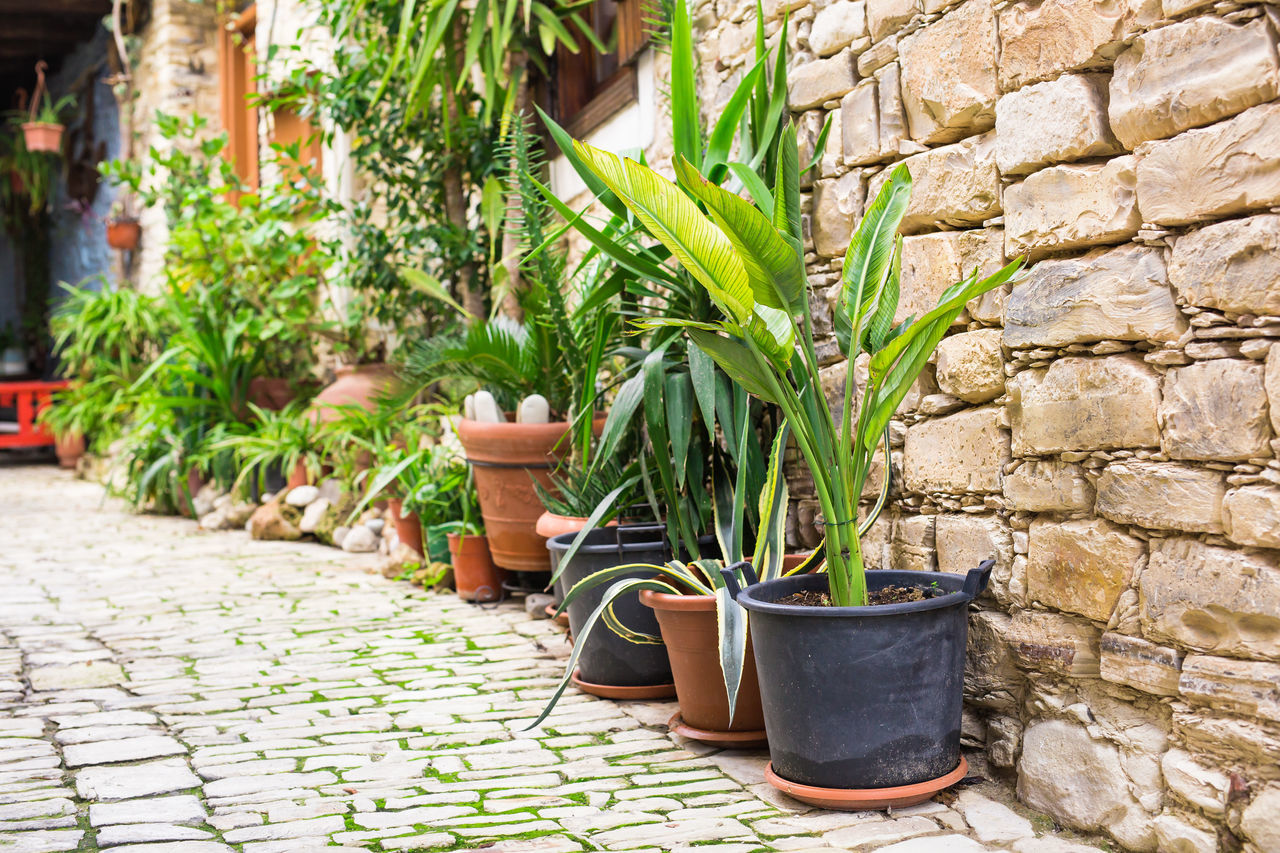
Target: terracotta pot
x=550 y=526
x=41 y=136
x=408 y=527
x=688 y=624
x=507 y=459
x=123 y=234
x=69 y=448
x=297 y=477
x=356 y=385
x=474 y=574
x=270 y=392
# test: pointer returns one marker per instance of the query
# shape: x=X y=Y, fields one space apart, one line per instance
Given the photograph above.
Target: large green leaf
x=868 y=263
x=722 y=135
x=775 y=270
x=597 y=187
x=737 y=361
x=786 y=195
x=702 y=371
x=676 y=222
x=686 y=130
x=678 y=397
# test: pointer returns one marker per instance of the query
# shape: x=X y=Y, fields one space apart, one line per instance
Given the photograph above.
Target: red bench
x=30 y=398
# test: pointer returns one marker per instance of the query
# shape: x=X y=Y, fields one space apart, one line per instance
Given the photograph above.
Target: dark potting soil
x=885 y=595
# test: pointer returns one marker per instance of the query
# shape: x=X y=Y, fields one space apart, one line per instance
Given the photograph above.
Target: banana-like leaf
x=686 y=131
x=597 y=187
x=618 y=589
x=771 y=540
x=720 y=141
x=736 y=360
x=774 y=269
x=755 y=186
x=674 y=220
x=786 y=194
x=868 y=264
x=731 y=623
x=774 y=332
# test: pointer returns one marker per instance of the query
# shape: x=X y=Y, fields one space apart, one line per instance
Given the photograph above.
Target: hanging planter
x=123 y=234
x=43 y=130
x=43 y=136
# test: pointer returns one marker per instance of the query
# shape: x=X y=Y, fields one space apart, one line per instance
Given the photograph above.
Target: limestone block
x=964 y=541
x=1211 y=599
x=1071 y=207
x=1231 y=266
x=1201 y=786
x=1247 y=688
x=1232 y=167
x=1191 y=74
x=1047 y=485
x=1162 y=496
x=955 y=185
x=1040 y=41
x=1174 y=832
x=884 y=17
x=275 y=520
x=1229 y=737
x=949 y=74
x=1139 y=664
x=1251 y=516
x=1261 y=819
x=830 y=166
x=1271 y=381
x=837 y=207
x=1081 y=781
x=1081 y=566
x=837 y=26
x=911 y=545
x=860 y=124
x=893 y=112
x=1216 y=410
x=957 y=454
x=812 y=84
x=983 y=250
x=1117 y=294
x=930 y=264
x=1085 y=404
x=971 y=365
x=991 y=679
x=1054 y=644
x=1053 y=122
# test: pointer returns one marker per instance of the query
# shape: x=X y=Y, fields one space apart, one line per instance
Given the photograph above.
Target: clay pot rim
x=750 y=739
x=43 y=125
x=866 y=799
x=481 y=430
x=457 y=537
x=667 y=601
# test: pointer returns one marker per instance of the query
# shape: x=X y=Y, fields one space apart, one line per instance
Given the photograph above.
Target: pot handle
x=730 y=575
x=976 y=581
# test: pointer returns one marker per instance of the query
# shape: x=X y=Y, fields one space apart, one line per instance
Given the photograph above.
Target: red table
x=30 y=398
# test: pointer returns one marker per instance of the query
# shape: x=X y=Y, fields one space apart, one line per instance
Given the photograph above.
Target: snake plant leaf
x=774 y=269
x=620 y=588
x=864 y=302
x=736 y=360
x=771 y=539
x=674 y=220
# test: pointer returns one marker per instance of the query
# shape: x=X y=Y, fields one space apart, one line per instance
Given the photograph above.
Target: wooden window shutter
x=632 y=35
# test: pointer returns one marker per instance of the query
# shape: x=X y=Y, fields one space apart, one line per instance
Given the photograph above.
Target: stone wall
x=1106 y=429
x=177 y=74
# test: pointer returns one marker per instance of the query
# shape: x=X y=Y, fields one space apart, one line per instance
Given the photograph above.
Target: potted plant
x=275 y=449
x=846 y=728
x=43 y=128
x=123 y=231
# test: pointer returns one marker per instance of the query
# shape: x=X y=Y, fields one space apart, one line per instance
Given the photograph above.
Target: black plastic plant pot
x=606 y=658
x=863 y=697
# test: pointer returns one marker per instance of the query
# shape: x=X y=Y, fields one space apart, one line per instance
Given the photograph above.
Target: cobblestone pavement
x=173 y=691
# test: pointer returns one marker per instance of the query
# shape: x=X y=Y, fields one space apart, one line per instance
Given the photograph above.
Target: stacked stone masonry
x=1108 y=428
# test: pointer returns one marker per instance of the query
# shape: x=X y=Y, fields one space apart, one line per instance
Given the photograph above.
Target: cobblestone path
x=172 y=691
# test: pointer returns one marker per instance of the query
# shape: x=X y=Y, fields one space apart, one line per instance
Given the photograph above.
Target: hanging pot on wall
x=43 y=136
x=123 y=234
x=875 y=728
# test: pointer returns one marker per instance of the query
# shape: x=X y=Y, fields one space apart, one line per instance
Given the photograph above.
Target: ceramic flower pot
x=862 y=704
x=42 y=136
x=123 y=234
x=408 y=527
x=69 y=448
x=355 y=385
x=507 y=459
x=270 y=392
x=474 y=574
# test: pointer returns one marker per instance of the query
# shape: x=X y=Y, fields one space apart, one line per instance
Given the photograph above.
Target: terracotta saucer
x=866 y=799
x=749 y=739
x=613 y=691
x=561 y=620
